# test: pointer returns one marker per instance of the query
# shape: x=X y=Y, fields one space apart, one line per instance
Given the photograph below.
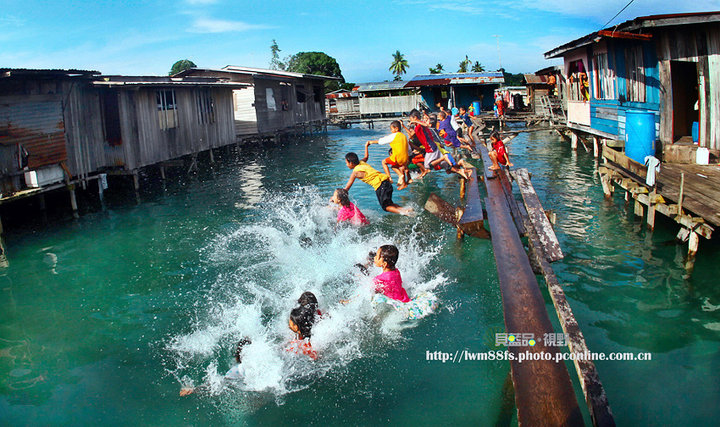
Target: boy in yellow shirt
x=379 y=181
x=399 y=158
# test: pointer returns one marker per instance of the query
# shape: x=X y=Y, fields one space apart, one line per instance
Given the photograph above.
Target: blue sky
x=146 y=37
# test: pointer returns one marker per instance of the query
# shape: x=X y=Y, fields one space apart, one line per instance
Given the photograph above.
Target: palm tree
x=399 y=65
x=464 y=65
x=477 y=67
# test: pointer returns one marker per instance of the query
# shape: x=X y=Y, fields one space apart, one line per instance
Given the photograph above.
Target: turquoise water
x=105 y=318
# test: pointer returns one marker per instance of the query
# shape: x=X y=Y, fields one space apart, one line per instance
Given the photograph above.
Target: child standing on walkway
x=378 y=181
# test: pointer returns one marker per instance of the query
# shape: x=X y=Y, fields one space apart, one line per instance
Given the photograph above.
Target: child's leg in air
x=387 y=169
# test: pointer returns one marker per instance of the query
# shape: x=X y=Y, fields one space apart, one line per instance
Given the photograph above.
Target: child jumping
x=399 y=158
x=348 y=211
x=378 y=181
x=301 y=322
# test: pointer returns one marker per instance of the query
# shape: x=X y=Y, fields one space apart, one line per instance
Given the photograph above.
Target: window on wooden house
x=318 y=93
x=578 y=83
x=270 y=99
x=635 y=74
x=167 y=109
x=206 y=107
x=603 y=78
x=300 y=93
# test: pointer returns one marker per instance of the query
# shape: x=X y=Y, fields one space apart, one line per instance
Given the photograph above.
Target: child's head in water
x=301 y=321
x=386 y=257
x=308 y=299
x=239 y=348
x=341 y=197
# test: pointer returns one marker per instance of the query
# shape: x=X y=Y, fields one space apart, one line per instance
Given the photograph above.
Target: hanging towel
x=653 y=167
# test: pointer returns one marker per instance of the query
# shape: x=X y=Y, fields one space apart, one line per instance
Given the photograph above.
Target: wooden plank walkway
x=543 y=392
x=538 y=220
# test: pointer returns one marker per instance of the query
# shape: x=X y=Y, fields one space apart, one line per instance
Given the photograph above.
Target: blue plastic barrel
x=639 y=135
x=695 y=131
x=476 y=107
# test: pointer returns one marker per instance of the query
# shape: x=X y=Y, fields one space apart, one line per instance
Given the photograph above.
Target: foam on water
x=262 y=268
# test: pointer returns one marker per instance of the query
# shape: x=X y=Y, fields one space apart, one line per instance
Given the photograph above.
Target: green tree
x=464 y=65
x=318 y=63
x=399 y=65
x=275 y=63
x=477 y=67
x=437 y=70
x=513 y=79
x=181 y=65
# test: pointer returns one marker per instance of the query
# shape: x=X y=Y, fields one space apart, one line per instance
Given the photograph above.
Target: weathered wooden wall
x=245 y=113
x=84 y=129
x=284 y=111
x=389 y=104
x=699 y=44
x=145 y=143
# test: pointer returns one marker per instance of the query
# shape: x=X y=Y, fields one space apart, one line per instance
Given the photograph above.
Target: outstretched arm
x=367 y=153
x=350 y=181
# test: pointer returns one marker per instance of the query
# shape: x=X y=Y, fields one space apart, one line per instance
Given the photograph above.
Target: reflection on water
x=118 y=309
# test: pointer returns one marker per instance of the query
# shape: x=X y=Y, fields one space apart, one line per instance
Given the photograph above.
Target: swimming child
x=301 y=322
x=377 y=180
x=390 y=290
x=236 y=373
x=348 y=211
x=499 y=155
x=308 y=300
x=399 y=158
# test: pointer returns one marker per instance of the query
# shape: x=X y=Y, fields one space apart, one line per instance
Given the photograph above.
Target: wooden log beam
x=543 y=392
x=537 y=218
x=472 y=221
x=593 y=390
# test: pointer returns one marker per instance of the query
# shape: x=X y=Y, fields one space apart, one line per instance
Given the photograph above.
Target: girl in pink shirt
x=348 y=210
x=389 y=282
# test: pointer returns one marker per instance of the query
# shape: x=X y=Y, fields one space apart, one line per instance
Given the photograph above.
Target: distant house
x=149 y=119
x=342 y=102
x=460 y=89
x=279 y=100
x=549 y=82
x=387 y=98
x=66 y=125
x=667 y=65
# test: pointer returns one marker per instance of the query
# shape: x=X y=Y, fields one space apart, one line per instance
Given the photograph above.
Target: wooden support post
x=212 y=156
x=573 y=141
x=41 y=200
x=693 y=242
x=639 y=210
x=607 y=185
x=596 y=146
x=73 y=201
x=162 y=172
x=627 y=196
x=651 y=210
x=462 y=188
x=680 y=198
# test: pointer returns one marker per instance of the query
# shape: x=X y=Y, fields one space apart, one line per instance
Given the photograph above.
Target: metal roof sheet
x=381 y=86
x=494 y=77
x=535 y=79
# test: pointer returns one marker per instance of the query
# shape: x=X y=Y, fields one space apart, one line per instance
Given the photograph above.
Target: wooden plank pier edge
x=630 y=175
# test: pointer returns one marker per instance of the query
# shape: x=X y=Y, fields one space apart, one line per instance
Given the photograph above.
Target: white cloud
x=200 y=2
x=209 y=25
x=465 y=6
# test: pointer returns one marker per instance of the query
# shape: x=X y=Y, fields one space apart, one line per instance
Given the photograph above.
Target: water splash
x=261 y=268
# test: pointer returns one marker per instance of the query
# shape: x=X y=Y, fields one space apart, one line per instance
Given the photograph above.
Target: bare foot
x=185 y=391
x=422 y=175
x=406 y=212
x=402 y=186
x=510 y=164
x=494 y=168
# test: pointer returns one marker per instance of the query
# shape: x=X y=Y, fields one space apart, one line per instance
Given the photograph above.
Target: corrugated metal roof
x=495 y=77
x=34 y=72
x=37 y=124
x=381 y=86
x=639 y=23
x=164 y=81
x=264 y=71
x=534 y=79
